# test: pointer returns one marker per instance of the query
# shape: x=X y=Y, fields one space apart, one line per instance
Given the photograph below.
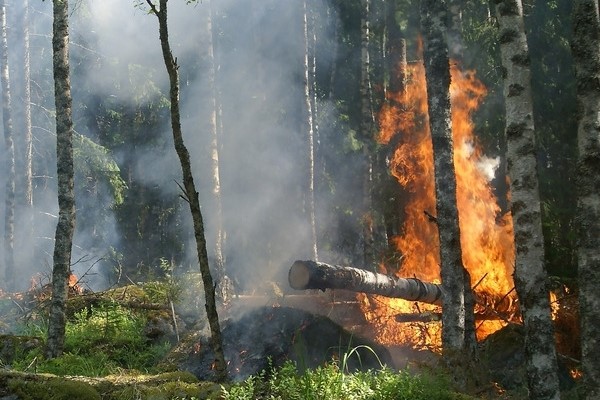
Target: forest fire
x=486 y=235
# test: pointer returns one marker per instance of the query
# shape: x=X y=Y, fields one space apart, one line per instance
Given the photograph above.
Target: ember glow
x=486 y=235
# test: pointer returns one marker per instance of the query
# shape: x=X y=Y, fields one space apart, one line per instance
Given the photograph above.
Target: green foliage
x=167 y=289
x=98 y=342
x=94 y=162
x=329 y=382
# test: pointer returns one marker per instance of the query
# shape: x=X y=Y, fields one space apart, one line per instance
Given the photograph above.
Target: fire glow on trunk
x=486 y=235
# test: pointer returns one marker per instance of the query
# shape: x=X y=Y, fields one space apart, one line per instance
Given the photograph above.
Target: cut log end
x=299 y=275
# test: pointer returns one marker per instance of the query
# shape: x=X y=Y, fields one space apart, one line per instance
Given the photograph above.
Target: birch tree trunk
x=456 y=54
x=9 y=209
x=366 y=128
x=65 y=176
x=190 y=189
x=586 y=54
x=530 y=274
x=223 y=288
x=309 y=126
x=434 y=16
x=28 y=135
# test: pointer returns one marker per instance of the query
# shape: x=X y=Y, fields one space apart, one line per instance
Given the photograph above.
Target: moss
x=53 y=389
x=164 y=391
x=181 y=376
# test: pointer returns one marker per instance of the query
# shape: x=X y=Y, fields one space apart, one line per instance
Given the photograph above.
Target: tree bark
x=456 y=55
x=586 y=54
x=319 y=275
x=366 y=130
x=28 y=135
x=65 y=175
x=530 y=274
x=434 y=16
x=223 y=287
x=9 y=209
x=190 y=189
x=310 y=132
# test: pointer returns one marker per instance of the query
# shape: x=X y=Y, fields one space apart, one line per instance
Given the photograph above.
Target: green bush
x=330 y=382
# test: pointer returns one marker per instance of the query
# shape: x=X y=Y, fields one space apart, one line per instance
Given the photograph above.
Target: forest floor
x=132 y=342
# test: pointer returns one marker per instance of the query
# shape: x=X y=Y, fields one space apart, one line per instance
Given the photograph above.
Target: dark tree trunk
x=318 y=275
x=392 y=196
x=586 y=53
x=9 y=209
x=434 y=16
x=455 y=52
x=65 y=175
x=530 y=274
x=190 y=189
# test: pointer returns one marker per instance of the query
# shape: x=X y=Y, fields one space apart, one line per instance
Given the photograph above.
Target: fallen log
x=318 y=275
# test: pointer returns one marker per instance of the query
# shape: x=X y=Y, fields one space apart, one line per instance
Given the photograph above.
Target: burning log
x=429 y=316
x=318 y=275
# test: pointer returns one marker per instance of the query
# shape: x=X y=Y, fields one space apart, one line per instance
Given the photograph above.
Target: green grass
x=331 y=383
x=99 y=342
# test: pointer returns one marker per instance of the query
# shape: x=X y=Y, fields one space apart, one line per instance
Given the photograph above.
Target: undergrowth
x=98 y=341
x=332 y=383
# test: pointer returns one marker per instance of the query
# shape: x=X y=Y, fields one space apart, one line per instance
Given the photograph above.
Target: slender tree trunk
x=317 y=158
x=530 y=274
x=366 y=129
x=395 y=53
x=434 y=16
x=456 y=54
x=393 y=197
x=28 y=164
x=9 y=209
x=65 y=176
x=310 y=123
x=219 y=267
x=190 y=190
x=586 y=53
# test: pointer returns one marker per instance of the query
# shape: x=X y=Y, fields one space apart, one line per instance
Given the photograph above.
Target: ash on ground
x=267 y=337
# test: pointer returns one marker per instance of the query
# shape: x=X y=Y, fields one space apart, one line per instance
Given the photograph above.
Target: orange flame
x=486 y=236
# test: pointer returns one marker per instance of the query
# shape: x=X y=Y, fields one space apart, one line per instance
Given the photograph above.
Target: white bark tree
x=530 y=273
x=9 y=209
x=310 y=130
